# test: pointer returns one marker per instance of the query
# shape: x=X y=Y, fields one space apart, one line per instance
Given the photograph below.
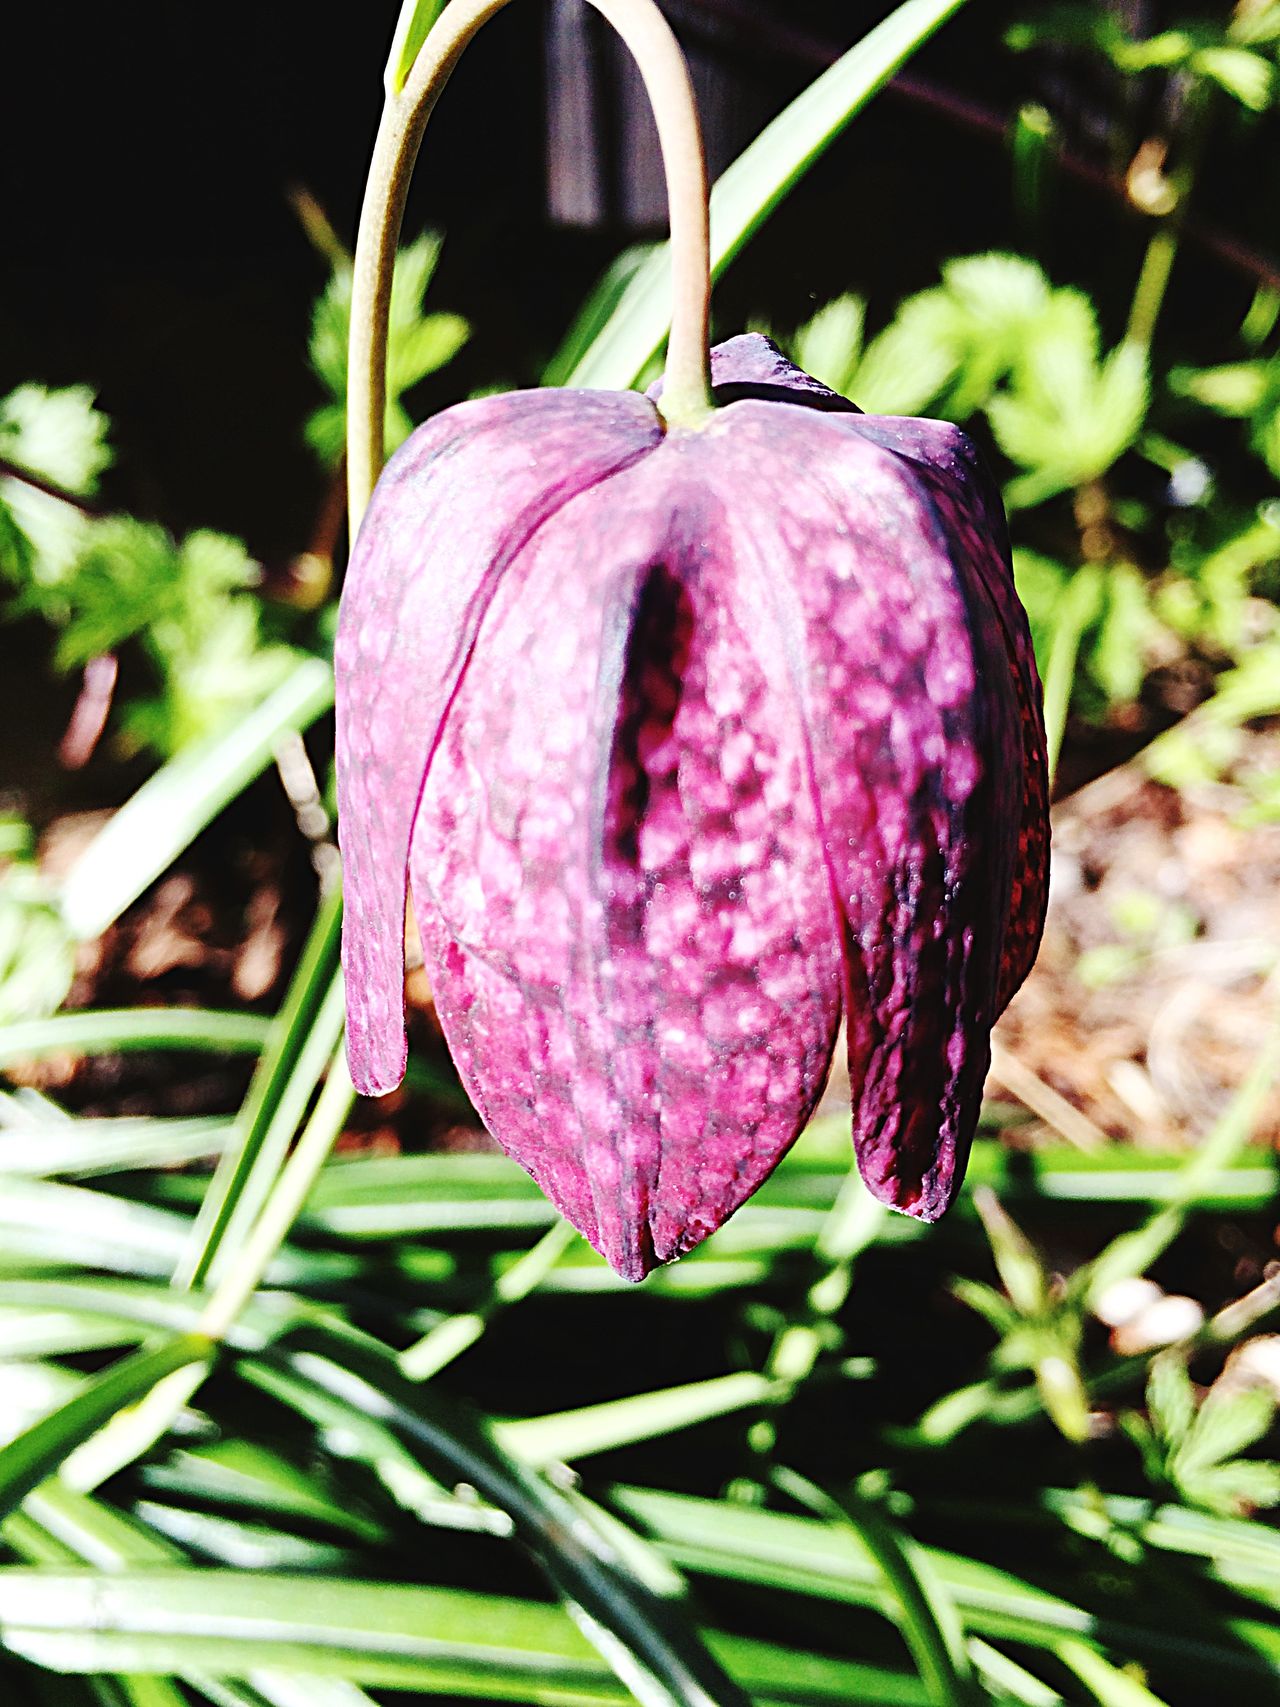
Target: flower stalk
x=686 y=391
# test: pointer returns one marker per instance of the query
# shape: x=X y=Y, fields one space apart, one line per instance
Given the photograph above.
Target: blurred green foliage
x=418 y=344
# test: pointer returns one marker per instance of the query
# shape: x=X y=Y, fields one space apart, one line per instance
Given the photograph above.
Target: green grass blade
x=803 y=1556
x=94 y=1533
x=39 y=1450
x=144 y=1692
x=438 y=1641
x=112 y=1031
x=83 y=1148
x=1076 y=609
x=929 y=1621
x=85 y=1228
x=594 y=314
x=448 y=1339
x=269 y=1090
x=396 y=1197
x=59 y=1526
x=240 y=1475
x=289 y=1069
x=30 y=1333
x=167 y=813
x=276 y=1689
x=571 y=1435
x=1109 y=1686
x=1243 y=1554
x=1007 y=1680
x=412 y=28
x=647 y=1635
x=754 y=185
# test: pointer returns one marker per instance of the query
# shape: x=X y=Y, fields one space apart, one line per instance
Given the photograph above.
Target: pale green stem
x=686 y=393
x=1153 y=282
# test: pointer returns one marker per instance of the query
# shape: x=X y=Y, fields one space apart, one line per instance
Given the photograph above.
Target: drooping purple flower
x=691 y=742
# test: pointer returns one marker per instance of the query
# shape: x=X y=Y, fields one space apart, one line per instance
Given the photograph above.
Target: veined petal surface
x=917 y=765
x=970 y=513
x=619 y=874
x=692 y=739
x=455 y=505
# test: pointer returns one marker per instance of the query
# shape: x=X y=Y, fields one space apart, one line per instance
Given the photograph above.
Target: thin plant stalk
x=686 y=394
x=245 y=1272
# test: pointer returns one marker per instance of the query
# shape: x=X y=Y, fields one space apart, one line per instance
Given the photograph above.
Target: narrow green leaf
x=247 y=1477
x=645 y=1635
x=450 y=1338
x=84 y=1147
x=798 y=1554
x=1111 y=1687
x=87 y=1228
x=1007 y=1680
x=111 y=1031
x=301 y=1039
x=571 y=1435
x=37 y=1453
x=440 y=1641
x=1077 y=608
x=754 y=185
x=53 y=1333
x=930 y=1623
x=594 y=313
x=412 y=28
x=59 y=1526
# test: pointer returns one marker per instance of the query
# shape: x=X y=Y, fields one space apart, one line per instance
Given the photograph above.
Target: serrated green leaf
x=1257 y=22
x=829 y=346
x=418 y=344
x=1015 y=1257
x=1226 y=1424
x=57 y=434
x=991 y=1305
x=1240 y=1486
x=1118 y=657
x=1067 y=416
x=1171 y=1399
x=913 y=361
x=425 y=346
x=1266 y=440
x=37 y=954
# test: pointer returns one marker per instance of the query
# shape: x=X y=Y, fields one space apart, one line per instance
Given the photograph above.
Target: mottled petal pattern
x=694 y=740
x=619 y=877
x=971 y=516
x=914 y=763
x=432 y=549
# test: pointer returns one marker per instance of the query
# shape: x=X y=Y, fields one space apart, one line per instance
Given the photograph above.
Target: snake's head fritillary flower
x=691 y=742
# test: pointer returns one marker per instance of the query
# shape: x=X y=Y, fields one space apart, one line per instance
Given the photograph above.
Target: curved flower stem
x=686 y=394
